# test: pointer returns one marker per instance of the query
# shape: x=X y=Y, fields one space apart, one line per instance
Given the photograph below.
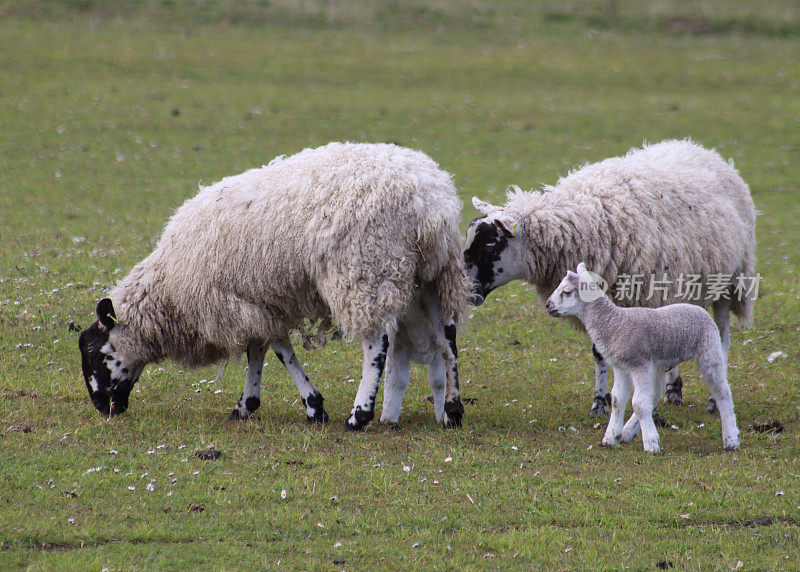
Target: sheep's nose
x=548 y=305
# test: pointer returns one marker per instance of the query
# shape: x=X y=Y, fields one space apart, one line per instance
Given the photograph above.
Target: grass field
x=110 y=115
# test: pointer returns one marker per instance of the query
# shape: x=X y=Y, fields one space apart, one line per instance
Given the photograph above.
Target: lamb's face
x=108 y=378
x=565 y=301
x=492 y=255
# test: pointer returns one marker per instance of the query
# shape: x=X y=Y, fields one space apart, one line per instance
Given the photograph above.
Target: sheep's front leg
x=453 y=408
x=646 y=390
x=251 y=395
x=620 y=394
x=372 y=369
x=397 y=379
x=437 y=378
x=602 y=398
x=312 y=398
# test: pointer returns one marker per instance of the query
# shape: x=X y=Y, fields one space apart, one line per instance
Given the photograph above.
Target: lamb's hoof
x=729 y=448
x=610 y=443
x=358 y=419
x=453 y=413
x=601 y=405
x=674 y=394
x=711 y=407
x=659 y=421
x=320 y=416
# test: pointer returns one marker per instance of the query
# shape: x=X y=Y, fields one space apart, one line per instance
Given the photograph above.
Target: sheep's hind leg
x=722 y=317
x=602 y=397
x=674 y=394
x=397 y=380
x=312 y=398
x=375 y=351
x=251 y=395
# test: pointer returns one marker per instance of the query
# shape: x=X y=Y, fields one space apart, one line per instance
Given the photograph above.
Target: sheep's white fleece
x=628 y=216
x=348 y=230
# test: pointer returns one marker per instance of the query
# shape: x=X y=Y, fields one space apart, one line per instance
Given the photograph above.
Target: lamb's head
x=574 y=292
x=108 y=375
x=493 y=250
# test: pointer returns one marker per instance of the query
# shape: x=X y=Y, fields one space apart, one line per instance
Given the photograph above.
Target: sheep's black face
x=108 y=379
x=486 y=256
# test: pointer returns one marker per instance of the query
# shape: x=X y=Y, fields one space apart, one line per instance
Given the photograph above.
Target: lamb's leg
x=251 y=395
x=713 y=370
x=722 y=317
x=646 y=390
x=453 y=408
x=312 y=398
x=620 y=394
x=397 y=379
x=674 y=395
x=602 y=398
x=375 y=350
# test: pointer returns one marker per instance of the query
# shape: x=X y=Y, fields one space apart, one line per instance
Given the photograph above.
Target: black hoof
x=320 y=417
x=601 y=406
x=711 y=407
x=358 y=419
x=236 y=416
x=453 y=413
x=658 y=420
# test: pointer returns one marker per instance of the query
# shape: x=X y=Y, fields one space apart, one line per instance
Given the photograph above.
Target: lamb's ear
x=106 y=314
x=483 y=207
x=581 y=268
x=573 y=278
x=506 y=224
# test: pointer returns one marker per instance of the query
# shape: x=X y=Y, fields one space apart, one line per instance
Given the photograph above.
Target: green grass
x=111 y=113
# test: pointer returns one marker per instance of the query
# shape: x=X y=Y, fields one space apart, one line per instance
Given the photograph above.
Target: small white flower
x=150 y=486
x=131 y=487
x=113 y=452
x=406 y=468
x=337 y=544
x=779 y=493
x=283 y=493
x=448 y=459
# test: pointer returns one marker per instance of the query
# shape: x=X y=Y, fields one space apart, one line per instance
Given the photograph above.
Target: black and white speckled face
x=491 y=256
x=108 y=378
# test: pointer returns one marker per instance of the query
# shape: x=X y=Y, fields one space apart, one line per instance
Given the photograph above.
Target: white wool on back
x=671 y=208
x=349 y=230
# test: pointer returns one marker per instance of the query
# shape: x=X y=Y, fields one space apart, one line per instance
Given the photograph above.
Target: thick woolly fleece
x=669 y=209
x=348 y=230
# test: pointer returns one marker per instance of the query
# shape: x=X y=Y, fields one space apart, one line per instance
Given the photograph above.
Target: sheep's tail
x=452 y=287
x=745 y=292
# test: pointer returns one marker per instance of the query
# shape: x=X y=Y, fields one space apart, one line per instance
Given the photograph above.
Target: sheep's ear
x=507 y=225
x=483 y=207
x=572 y=277
x=106 y=314
x=581 y=268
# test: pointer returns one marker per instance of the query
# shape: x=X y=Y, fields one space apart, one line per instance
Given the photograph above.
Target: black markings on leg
x=252 y=403
x=600 y=405
x=711 y=406
x=360 y=418
x=597 y=355
x=659 y=420
x=455 y=412
x=279 y=355
x=674 y=393
x=314 y=401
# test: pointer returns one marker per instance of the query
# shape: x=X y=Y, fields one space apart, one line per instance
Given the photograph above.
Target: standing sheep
x=642 y=344
x=362 y=233
x=666 y=223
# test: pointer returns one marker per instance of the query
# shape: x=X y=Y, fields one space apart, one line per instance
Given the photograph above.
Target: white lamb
x=671 y=222
x=642 y=344
x=364 y=233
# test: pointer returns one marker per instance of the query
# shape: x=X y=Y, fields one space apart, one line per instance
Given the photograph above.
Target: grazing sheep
x=362 y=233
x=671 y=222
x=642 y=344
